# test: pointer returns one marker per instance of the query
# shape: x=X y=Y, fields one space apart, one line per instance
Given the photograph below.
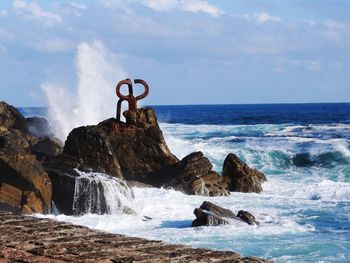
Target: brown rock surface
x=130 y=150
x=22 y=176
x=28 y=239
x=10 y=117
x=192 y=175
x=240 y=177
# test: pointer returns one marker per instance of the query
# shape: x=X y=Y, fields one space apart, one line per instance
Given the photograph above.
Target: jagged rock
x=247 y=217
x=139 y=144
x=130 y=150
x=24 y=185
x=10 y=117
x=192 y=175
x=209 y=214
x=240 y=177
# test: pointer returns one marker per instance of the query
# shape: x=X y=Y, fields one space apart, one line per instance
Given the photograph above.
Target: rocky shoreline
x=39 y=174
x=30 y=239
x=37 y=169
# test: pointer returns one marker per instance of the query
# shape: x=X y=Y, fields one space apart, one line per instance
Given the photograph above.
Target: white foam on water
x=172 y=214
x=93 y=99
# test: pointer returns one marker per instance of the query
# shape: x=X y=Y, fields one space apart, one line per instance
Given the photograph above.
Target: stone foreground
x=29 y=239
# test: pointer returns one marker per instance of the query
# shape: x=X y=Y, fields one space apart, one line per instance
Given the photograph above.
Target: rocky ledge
x=30 y=239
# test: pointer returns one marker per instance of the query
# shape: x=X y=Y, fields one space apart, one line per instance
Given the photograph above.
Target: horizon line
x=217 y=104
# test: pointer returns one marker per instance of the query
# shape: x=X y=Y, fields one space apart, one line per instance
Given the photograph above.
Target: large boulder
x=240 y=177
x=133 y=150
x=209 y=214
x=24 y=185
x=130 y=150
x=192 y=175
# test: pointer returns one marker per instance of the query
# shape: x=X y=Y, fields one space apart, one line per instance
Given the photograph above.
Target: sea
x=304 y=209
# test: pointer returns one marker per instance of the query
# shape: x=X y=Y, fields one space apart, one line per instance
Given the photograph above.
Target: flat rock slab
x=30 y=239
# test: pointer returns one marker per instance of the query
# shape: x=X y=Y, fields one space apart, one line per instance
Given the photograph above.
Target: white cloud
x=160 y=5
x=261 y=18
x=3 y=13
x=329 y=23
x=201 y=6
x=265 y=17
x=80 y=6
x=55 y=45
x=34 y=11
x=194 y=6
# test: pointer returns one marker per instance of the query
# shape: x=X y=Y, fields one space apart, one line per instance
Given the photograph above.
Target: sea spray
x=98 y=193
x=93 y=100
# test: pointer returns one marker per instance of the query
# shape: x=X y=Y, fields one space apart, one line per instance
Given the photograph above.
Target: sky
x=189 y=51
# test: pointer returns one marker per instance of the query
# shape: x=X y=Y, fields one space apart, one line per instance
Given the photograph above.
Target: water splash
x=97 y=193
x=92 y=101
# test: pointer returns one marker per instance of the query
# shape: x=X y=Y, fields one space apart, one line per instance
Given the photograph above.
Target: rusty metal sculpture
x=131 y=99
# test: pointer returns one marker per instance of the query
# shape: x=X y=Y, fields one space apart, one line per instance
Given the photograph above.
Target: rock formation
x=31 y=160
x=209 y=214
x=24 y=185
x=134 y=151
x=192 y=175
x=240 y=177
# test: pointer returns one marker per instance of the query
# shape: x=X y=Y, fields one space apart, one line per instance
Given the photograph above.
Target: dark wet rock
x=93 y=150
x=247 y=217
x=38 y=127
x=62 y=173
x=47 y=146
x=209 y=214
x=24 y=185
x=240 y=177
x=28 y=239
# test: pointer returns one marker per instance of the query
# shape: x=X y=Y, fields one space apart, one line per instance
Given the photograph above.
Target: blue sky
x=190 y=51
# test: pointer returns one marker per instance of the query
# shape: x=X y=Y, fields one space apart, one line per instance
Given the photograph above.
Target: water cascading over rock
x=98 y=193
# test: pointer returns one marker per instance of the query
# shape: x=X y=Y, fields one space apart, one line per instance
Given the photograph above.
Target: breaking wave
x=92 y=100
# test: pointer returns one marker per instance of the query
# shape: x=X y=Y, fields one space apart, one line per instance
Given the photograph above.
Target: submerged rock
x=209 y=214
x=240 y=177
x=247 y=217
